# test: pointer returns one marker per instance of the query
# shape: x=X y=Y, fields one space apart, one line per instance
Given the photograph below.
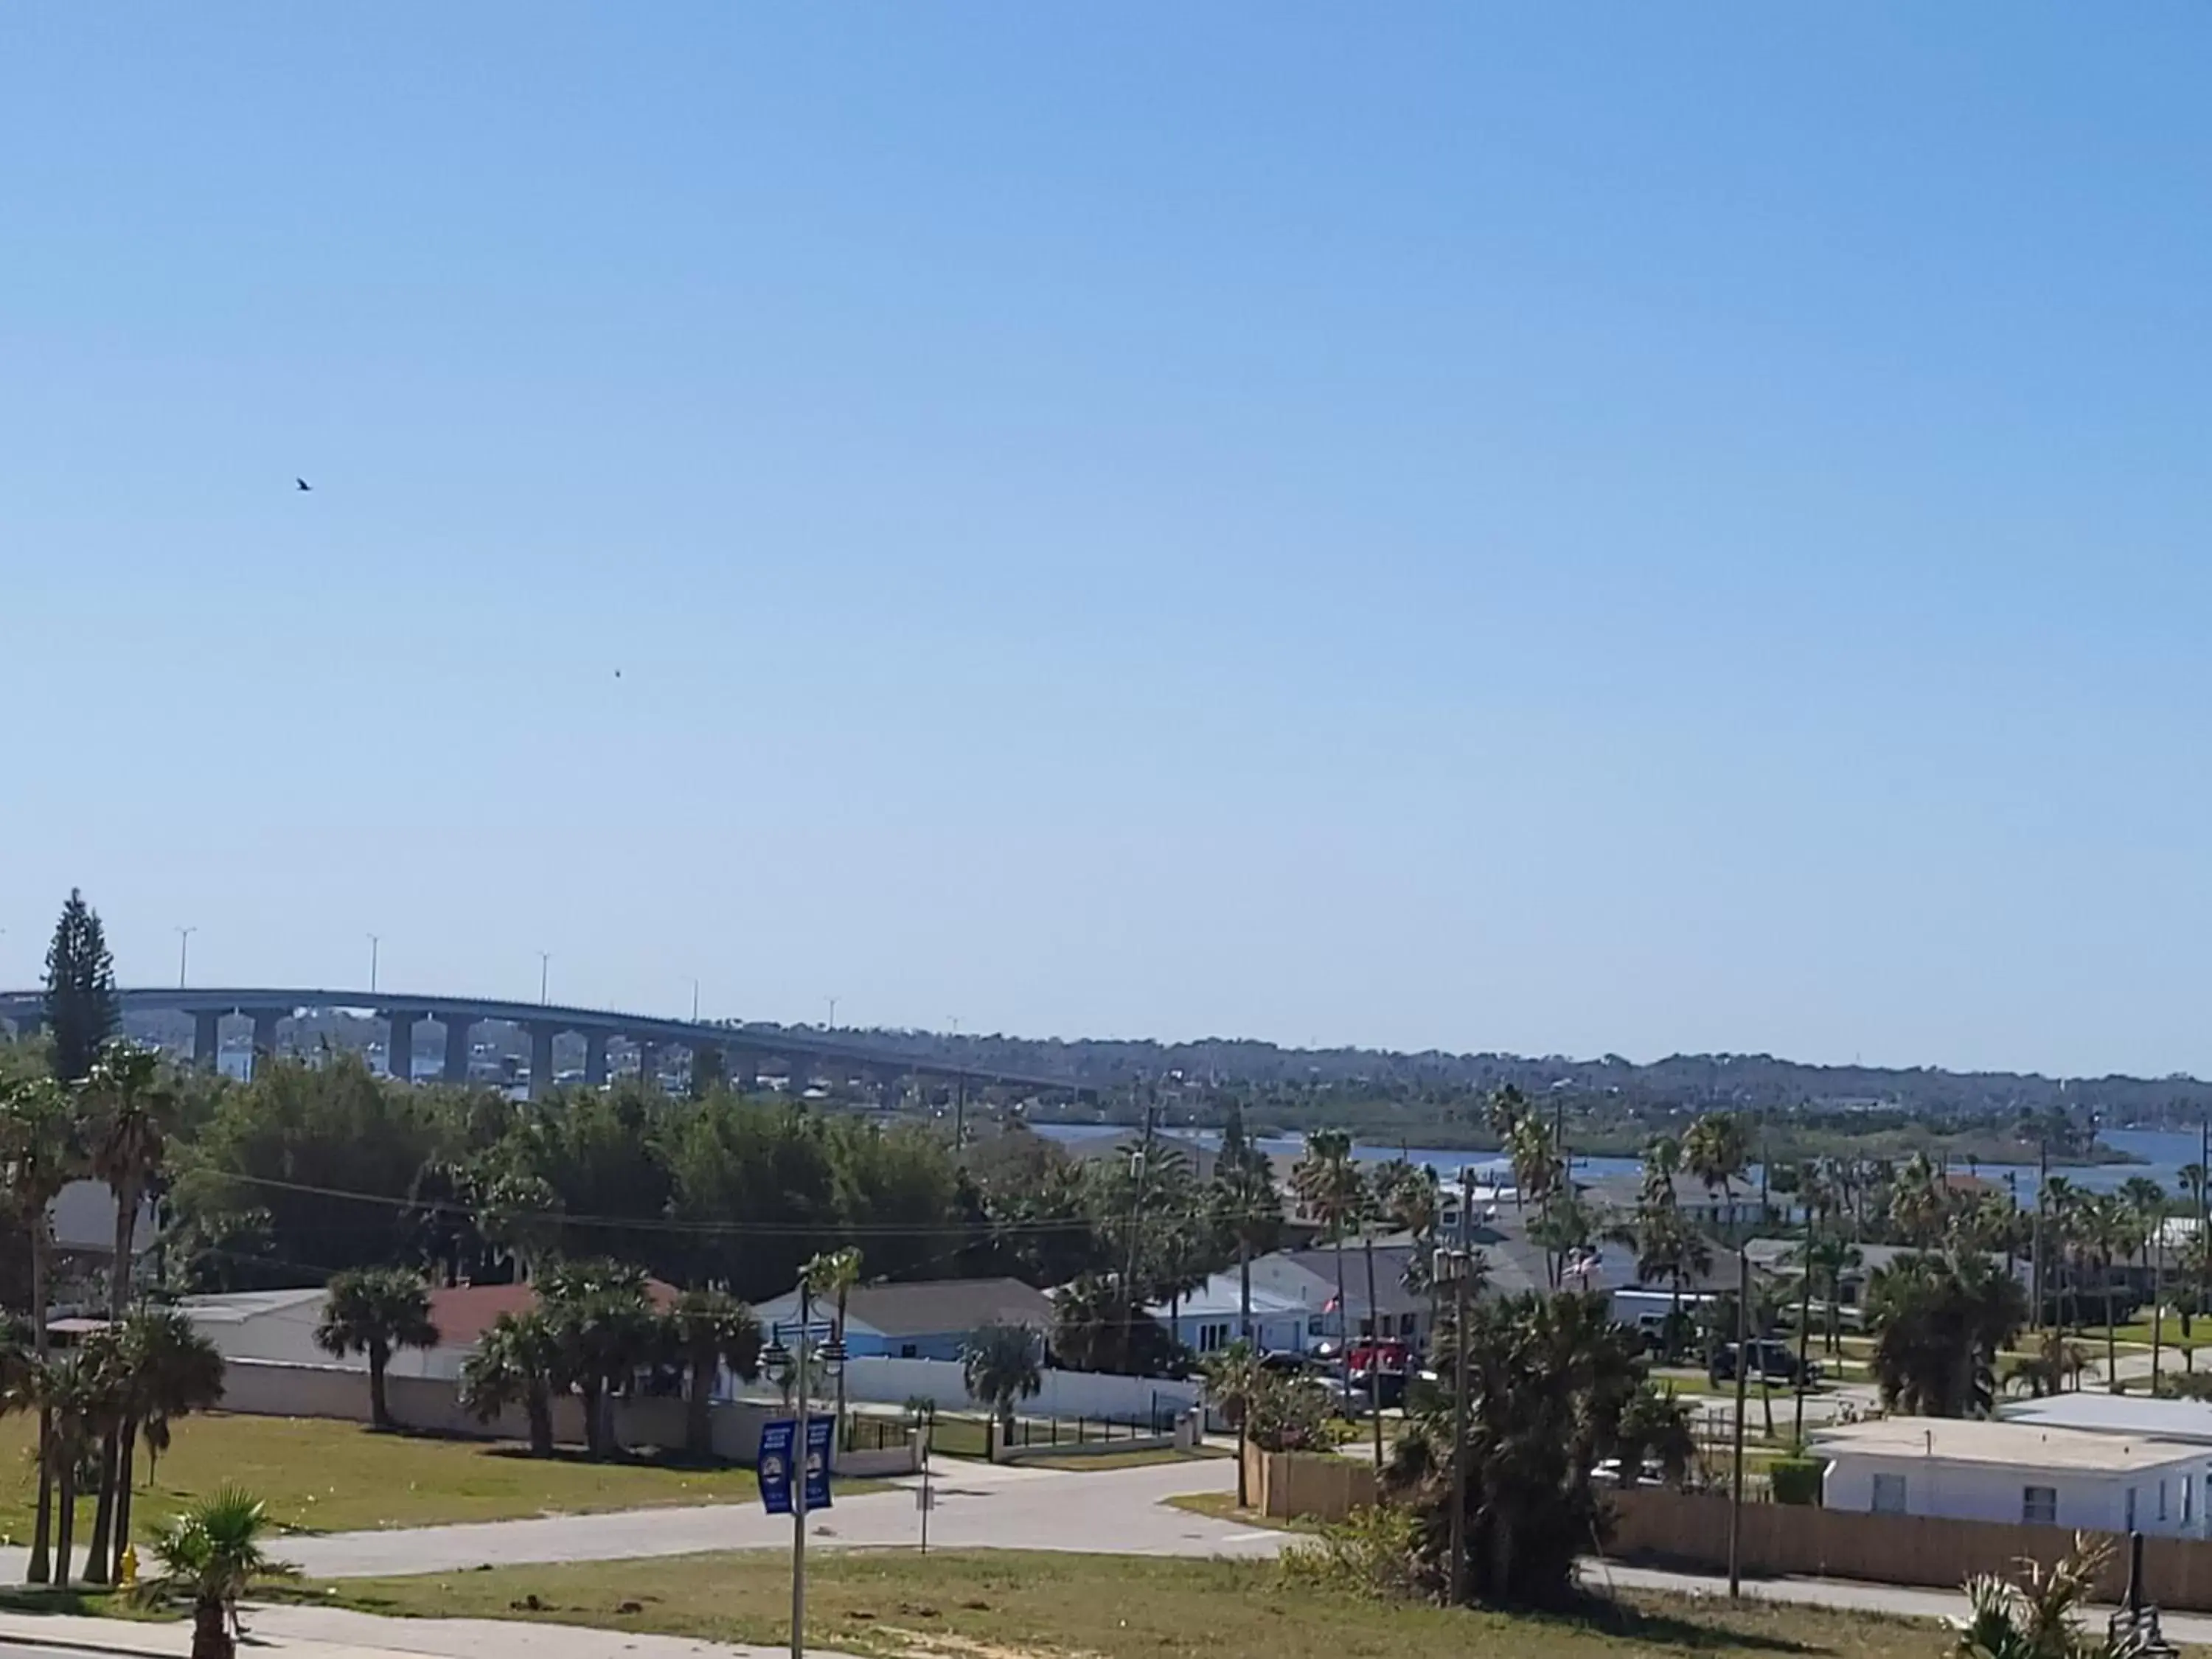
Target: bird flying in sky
x=303 y=483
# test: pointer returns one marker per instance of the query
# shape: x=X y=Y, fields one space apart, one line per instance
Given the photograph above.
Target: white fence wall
x=880 y=1379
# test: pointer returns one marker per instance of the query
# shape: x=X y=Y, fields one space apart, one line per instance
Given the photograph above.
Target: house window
x=1367 y=1328
x=909 y=1350
x=2128 y=1523
x=2188 y=1498
x=2161 y=1500
x=1316 y=1326
x=1406 y=1323
x=1212 y=1337
x=1889 y=1494
x=2039 y=1505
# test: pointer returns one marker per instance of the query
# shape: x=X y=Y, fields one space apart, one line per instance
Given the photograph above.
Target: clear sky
x=1566 y=529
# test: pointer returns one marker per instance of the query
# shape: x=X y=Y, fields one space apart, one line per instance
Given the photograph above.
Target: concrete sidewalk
x=291 y=1632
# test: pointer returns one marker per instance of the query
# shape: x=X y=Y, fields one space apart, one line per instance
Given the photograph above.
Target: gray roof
x=1391 y=1296
x=2117 y=1413
x=937 y=1306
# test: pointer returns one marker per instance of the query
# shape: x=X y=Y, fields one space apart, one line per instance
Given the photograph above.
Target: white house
x=1211 y=1317
x=2017 y=1471
x=271 y=1325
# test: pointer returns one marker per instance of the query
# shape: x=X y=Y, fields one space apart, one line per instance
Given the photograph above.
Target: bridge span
x=739 y=1050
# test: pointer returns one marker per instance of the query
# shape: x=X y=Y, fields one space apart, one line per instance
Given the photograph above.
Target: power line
x=672 y=1224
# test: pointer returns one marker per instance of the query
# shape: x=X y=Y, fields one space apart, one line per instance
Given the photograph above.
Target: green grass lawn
x=333 y=1477
x=1125 y=1460
x=1005 y=1605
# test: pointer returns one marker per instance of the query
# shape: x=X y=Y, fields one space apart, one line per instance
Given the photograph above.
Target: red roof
x=463 y=1313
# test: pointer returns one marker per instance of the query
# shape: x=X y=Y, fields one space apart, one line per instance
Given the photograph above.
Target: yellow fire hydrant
x=126 y=1567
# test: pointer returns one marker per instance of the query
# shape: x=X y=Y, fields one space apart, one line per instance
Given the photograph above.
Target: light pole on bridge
x=184 y=952
x=374 y=942
x=544 y=971
x=833 y=1013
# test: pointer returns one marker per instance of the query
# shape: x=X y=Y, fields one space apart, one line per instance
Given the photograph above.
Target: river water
x=2163 y=1154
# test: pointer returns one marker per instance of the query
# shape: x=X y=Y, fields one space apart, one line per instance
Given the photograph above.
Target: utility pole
x=2035 y=1244
x=1458 y=1265
x=1742 y=1377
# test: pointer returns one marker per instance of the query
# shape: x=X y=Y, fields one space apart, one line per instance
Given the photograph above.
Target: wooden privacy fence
x=1312 y=1485
x=1690 y=1530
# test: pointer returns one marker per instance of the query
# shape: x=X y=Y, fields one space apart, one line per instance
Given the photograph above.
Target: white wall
x=285 y=1335
x=1065 y=1394
x=2088 y=1499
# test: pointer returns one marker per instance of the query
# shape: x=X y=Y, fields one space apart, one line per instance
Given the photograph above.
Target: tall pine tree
x=81 y=1006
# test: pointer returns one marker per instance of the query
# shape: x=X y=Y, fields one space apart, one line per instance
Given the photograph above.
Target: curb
x=80 y=1644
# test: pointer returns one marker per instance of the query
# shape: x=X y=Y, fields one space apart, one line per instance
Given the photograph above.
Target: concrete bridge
x=741 y=1053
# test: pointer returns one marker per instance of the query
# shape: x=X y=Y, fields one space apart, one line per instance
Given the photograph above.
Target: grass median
x=323 y=1476
x=1000 y=1604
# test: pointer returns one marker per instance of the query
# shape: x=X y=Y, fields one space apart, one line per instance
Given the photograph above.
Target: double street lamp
x=797 y=1367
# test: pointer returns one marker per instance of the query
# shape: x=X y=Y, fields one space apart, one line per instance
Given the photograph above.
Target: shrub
x=1371 y=1554
x=1798 y=1479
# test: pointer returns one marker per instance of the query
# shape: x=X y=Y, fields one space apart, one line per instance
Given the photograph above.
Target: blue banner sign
x=775 y=1463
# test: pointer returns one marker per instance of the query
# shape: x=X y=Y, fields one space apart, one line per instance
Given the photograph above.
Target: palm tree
x=710 y=1330
x=132 y=1107
x=374 y=1311
x=2191 y=1177
x=604 y=1320
x=1234 y=1376
x=2145 y=1203
x=1919 y=1203
x=2055 y=1363
x=1939 y=1323
x=168 y=1370
x=833 y=1274
x=517 y=1362
x=1086 y=1312
x=38 y=1156
x=2061 y=1204
x=1716 y=1153
x=1332 y=1189
x=1827 y=1259
x=999 y=1364
x=210 y=1553
x=2038 y=1617
x=1248 y=1211
x=2106 y=1230
x=72 y=1392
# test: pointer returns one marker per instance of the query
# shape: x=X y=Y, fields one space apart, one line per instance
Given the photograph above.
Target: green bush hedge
x=1796 y=1480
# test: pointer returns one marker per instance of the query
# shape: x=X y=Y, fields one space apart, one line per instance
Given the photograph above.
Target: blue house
x=929 y=1320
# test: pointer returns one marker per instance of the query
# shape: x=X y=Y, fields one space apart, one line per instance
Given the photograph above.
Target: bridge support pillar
x=649 y=1062
x=541 y=1059
x=457 y=1048
x=595 y=1060
x=891 y=1088
x=28 y=1024
x=798 y=1072
x=744 y=1072
x=400 y=1047
x=207 y=1039
x=264 y=1036
x=710 y=1065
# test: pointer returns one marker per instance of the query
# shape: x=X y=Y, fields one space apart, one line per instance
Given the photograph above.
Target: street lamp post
x=779 y=1363
x=184 y=952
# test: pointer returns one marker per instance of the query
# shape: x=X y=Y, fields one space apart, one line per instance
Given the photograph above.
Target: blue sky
x=1638 y=529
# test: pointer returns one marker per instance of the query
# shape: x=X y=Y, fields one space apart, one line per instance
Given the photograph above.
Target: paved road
x=979 y=1506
